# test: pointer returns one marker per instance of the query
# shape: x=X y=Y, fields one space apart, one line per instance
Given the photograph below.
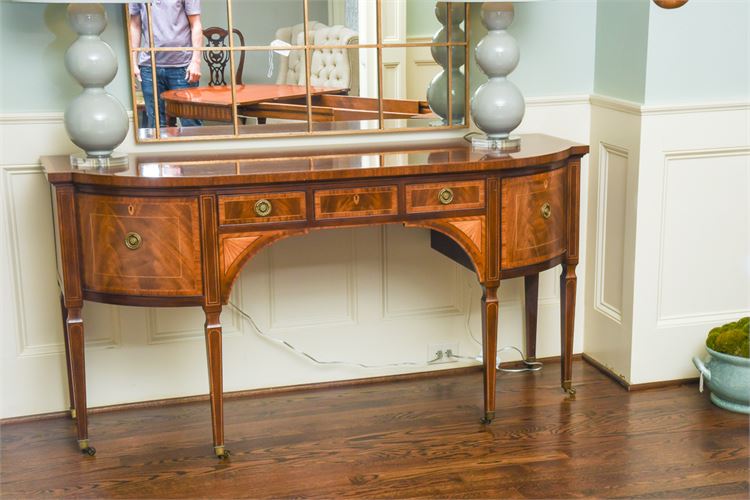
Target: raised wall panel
x=317 y=288
x=704 y=247
x=610 y=237
x=183 y=324
x=416 y=282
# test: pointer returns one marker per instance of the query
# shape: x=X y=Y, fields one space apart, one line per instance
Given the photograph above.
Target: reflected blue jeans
x=166 y=79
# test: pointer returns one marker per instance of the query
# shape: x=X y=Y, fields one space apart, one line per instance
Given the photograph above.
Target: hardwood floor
x=400 y=440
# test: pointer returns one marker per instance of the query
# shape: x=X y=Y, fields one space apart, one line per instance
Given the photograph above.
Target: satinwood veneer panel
x=164 y=255
x=358 y=202
x=533 y=218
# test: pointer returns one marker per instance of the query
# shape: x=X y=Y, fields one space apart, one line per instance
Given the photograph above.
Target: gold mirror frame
x=238 y=131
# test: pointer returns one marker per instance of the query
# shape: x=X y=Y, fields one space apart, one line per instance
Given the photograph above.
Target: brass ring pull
x=446 y=196
x=133 y=241
x=546 y=211
x=263 y=208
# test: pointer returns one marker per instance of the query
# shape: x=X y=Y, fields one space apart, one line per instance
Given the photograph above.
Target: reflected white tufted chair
x=338 y=68
x=293 y=66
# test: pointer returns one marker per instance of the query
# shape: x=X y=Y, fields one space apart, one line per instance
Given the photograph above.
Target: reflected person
x=176 y=23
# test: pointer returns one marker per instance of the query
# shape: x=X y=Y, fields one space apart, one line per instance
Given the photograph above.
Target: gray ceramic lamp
x=95 y=120
x=497 y=106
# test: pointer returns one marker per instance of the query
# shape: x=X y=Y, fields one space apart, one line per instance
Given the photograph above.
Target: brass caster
x=568 y=388
x=221 y=452
x=488 y=417
x=85 y=448
x=73 y=413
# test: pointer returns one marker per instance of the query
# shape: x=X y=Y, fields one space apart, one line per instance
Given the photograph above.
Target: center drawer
x=356 y=202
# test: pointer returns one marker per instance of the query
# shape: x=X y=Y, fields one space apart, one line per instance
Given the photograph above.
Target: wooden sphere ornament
x=670 y=4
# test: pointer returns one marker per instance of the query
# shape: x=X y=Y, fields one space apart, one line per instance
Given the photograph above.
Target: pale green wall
x=34 y=38
x=33 y=41
x=621 y=49
x=420 y=20
x=557 y=40
x=699 y=53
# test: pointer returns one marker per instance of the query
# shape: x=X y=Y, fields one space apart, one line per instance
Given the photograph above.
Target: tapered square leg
x=490 y=311
x=76 y=355
x=215 y=377
x=531 y=293
x=71 y=396
x=567 y=322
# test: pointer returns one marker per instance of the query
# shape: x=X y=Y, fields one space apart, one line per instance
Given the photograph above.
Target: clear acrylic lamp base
x=113 y=161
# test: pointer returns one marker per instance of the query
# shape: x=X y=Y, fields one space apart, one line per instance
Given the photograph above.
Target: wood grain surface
x=528 y=237
x=168 y=262
x=409 y=439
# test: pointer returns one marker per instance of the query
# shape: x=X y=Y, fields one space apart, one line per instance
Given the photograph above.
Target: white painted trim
x=565 y=100
x=600 y=304
x=638 y=109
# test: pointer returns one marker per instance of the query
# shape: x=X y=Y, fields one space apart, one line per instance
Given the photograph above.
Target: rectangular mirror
x=241 y=68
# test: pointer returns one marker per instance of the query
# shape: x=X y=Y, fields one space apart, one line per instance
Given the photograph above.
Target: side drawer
x=533 y=218
x=356 y=202
x=437 y=197
x=140 y=246
x=262 y=208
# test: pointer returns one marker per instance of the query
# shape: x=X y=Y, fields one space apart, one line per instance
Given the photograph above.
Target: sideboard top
x=214 y=168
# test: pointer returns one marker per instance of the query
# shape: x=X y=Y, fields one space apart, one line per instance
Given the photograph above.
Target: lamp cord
x=530 y=365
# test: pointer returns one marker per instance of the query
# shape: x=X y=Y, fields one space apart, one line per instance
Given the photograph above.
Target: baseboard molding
x=636 y=387
x=274 y=391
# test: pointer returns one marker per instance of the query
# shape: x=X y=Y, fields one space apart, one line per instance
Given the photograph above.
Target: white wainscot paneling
x=704 y=250
x=416 y=282
x=610 y=235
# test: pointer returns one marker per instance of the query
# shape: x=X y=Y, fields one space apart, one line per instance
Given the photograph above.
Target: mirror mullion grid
x=232 y=77
x=309 y=46
x=467 y=59
x=449 y=39
x=379 y=40
x=133 y=55
x=152 y=55
x=308 y=62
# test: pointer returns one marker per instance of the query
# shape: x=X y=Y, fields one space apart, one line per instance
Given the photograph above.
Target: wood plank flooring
x=400 y=440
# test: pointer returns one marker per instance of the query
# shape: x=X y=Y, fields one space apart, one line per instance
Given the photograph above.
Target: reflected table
x=283 y=101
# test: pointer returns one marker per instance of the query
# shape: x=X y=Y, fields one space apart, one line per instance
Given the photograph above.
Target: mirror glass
x=237 y=68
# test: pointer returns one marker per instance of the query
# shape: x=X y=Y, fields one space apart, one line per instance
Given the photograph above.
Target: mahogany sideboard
x=175 y=229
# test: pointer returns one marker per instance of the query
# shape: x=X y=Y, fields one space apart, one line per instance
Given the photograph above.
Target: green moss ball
x=731 y=338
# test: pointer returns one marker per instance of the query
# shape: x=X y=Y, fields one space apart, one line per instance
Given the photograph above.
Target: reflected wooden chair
x=217 y=60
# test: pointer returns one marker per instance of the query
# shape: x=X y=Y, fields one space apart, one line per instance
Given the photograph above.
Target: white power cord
x=530 y=365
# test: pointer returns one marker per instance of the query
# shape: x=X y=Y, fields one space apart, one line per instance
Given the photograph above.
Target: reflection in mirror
x=221 y=74
x=355 y=105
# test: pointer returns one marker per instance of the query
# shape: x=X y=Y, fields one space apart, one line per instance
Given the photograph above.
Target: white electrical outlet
x=439 y=353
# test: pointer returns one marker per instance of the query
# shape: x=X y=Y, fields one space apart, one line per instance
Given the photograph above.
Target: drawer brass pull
x=546 y=211
x=446 y=196
x=133 y=241
x=263 y=208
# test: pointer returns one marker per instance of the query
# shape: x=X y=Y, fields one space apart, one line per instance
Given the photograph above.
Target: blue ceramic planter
x=728 y=379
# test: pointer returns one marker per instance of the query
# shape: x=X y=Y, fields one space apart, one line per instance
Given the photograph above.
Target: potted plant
x=727 y=368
